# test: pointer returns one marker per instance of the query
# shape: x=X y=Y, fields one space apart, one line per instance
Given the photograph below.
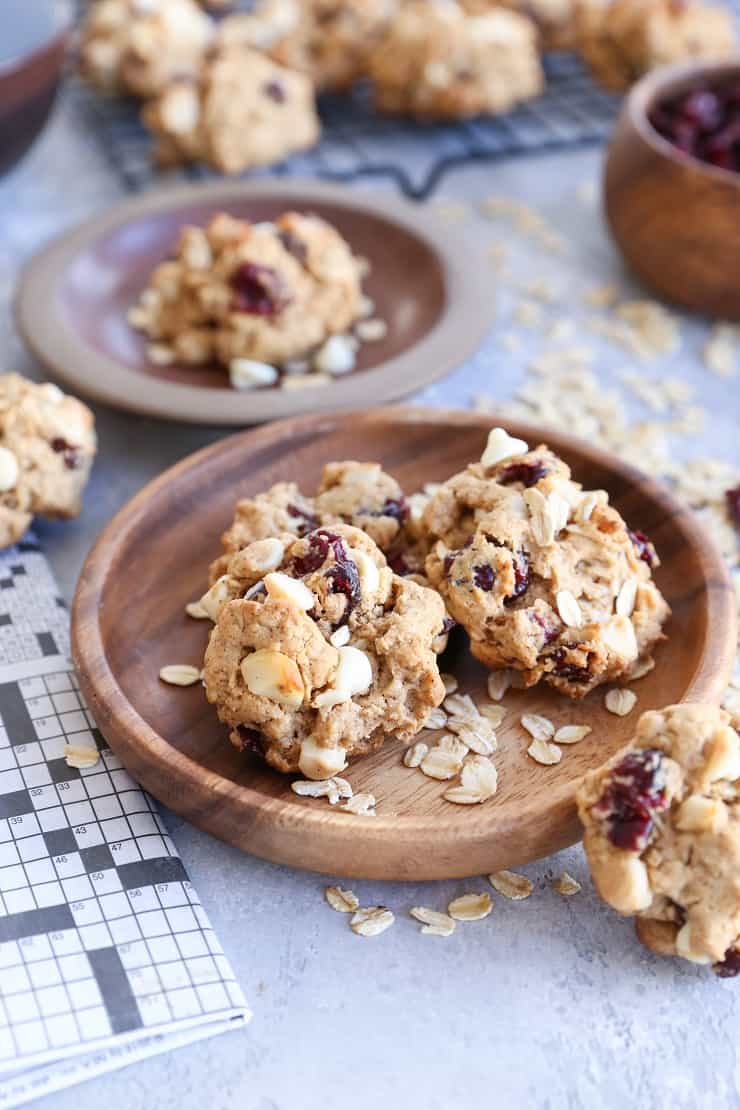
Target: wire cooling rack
x=356 y=142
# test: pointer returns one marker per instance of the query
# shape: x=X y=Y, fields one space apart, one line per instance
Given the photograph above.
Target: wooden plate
x=128 y=621
x=425 y=282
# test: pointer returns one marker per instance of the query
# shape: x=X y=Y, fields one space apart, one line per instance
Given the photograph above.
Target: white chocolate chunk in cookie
x=8 y=470
x=317 y=762
x=700 y=814
x=273 y=675
x=213 y=600
x=285 y=588
x=502 y=446
x=354 y=675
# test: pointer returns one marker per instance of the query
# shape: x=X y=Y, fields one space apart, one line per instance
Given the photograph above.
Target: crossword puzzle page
x=103 y=941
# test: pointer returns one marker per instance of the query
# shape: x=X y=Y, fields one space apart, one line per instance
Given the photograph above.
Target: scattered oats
x=511 y=342
x=498 y=683
x=568 y=609
x=343 y=901
x=566 y=885
x=81 y=756
x=494 y=714
x=333 y=789
x=470 y=907
x=528 y=314
x=247 y=373
x=462 y=706
x=540 y=728
x=720 y=351
x=413 y=756
x=370 y=331
x=371 y=920
x=511 y=885
x=362 y=805
x=450 y=683
x=180 y=674
x=641 y=668
x=571 y=734
x=478 y=782
x=195 y=610
x=336 y=355
x=626 y=598
x=602 y=296
x=653 y=330
x=480 y=739
x=435 y=923
x=436 y=719
x=541 y=290
x=453 y=745
x=620 y=702
x=561 y=330
x=367 y=307
x=441 y=764
x=542 y=751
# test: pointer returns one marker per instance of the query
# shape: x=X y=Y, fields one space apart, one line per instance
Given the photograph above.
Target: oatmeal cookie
x=545 y=577
x=662 y=834
x=265 y=291
x=330 y=40
x=436 y=61
x=555 y=19
x=319 y=651
x=47 y=445
x=139 y=46
x=242 y=110
x=620 y=40
x=361 y=494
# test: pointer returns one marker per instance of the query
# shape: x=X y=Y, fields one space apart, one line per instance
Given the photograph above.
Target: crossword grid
x=101 y=933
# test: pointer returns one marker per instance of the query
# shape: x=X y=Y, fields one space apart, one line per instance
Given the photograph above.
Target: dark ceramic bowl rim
x=661 y=83
x=63 y=20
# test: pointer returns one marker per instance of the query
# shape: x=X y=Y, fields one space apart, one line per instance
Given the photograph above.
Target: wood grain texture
x=425 y=281
x=128 y=621
x=675 y=219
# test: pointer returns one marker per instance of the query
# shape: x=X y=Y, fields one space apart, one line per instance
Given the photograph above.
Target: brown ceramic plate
x=128 y=621
x=426 y=285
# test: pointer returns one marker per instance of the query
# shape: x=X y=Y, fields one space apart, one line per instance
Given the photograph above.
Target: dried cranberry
x=307 y=520
x=449 y=560
x=733 y=503
x=258 y=290
x=550 y=630
x=521 y=574
x=703 y=108
x=703 y=123
x=526 y=473
x=396 y=508
x=345 y=579
x=71 y=453
x=251 y=740
x=643 y=547
x=315 y=557
x=571 y=672
x=730 y=966
x=484 y=577
x=634 y=794
x=275 y=91
x=294 y=246
x=398 y=564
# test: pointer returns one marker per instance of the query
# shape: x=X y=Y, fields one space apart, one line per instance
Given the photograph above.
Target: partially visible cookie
x=620 y=40
x=242 y=110
x=47 y=445
x=138 y=46
x=555 y=19
x=545 y=577
x=435 y=60
x=330 y=40
x=319 y=651
x=662 y=834
x=235 y=290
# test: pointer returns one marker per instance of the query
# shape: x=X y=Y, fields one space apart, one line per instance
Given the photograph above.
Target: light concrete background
x=547 y=1003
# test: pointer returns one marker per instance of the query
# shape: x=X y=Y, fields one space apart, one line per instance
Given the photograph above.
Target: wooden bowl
x=128 y=621
x=428 y=286
x=676 y=219
x=32 y=48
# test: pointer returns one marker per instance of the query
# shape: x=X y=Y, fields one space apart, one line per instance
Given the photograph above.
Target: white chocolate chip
x=8 y=470
x=627 y=887
x=246 y=373
x=317 y=762
x=354 y=675
x=195 y=610
x=723 y=756
x=368 y=571
x=340 y=637
x=683 y=946
x=284 y=588
x=501 y=446
x=266 y=555
x=159 y=354
x=568 y=609
x=371 y=331
x=214 y=599
x=274 y=675
x=699 y=814
x=336 y=356
x=180 y=674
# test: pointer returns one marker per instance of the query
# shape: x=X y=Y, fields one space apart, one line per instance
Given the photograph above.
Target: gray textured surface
x=547 y=1003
